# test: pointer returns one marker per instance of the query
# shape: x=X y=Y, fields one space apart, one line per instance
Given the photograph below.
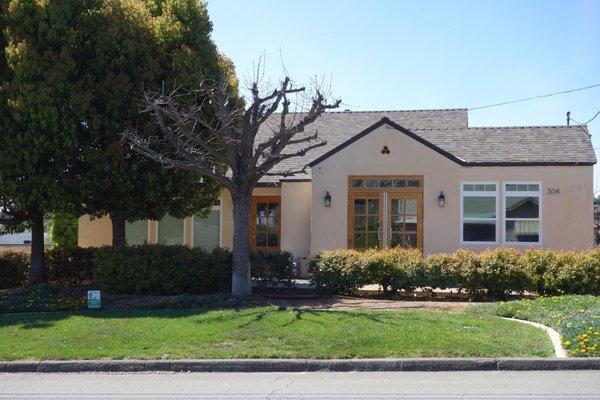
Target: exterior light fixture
x=441 y=200
x=327 y=200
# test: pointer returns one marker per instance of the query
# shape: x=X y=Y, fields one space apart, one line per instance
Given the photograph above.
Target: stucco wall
x=567 y=221
x=94 y=232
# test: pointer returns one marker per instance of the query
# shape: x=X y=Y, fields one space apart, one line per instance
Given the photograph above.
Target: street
x=319 y=385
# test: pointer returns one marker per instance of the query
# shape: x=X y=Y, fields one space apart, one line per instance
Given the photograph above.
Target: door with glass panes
x=385 y=212
x=265 y=224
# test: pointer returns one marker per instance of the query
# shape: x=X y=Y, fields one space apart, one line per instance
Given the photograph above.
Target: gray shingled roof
x=447 y=131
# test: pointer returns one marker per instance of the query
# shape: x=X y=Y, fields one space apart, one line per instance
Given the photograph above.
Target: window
x=136 y=232
x=170 y=230
x=206 y=230
x=522 y=212
x=479 y=212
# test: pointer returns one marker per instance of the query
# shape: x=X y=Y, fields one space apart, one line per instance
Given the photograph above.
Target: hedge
x=146 y=269
x=492 y=273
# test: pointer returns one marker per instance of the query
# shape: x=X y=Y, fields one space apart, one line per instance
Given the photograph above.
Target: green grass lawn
x=264 y=332
x=576 y=318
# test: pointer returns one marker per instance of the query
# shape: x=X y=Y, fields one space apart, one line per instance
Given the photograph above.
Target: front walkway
x=361 y=303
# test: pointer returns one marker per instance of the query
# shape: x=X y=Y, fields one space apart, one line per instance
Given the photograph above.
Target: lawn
x=264 y=332
x=576 y=318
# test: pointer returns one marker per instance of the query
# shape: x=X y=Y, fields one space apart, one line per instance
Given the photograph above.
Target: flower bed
x=576 y=318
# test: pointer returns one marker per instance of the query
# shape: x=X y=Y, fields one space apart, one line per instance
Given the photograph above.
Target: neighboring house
x=419 y=178
x=20 y=241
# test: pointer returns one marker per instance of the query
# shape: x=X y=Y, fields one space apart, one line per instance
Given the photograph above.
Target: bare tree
x=228 y=148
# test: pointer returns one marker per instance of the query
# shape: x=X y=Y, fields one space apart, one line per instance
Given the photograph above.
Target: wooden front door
x=385 y=212
x=405 y=220
x=265 y=224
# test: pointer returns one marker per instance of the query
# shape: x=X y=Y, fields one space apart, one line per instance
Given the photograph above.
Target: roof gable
x=381 y=122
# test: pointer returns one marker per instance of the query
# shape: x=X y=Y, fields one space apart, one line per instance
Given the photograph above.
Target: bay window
x=479 y=212
x=522 y=212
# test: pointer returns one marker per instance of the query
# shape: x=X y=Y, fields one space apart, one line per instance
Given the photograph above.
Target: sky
x=386 y=55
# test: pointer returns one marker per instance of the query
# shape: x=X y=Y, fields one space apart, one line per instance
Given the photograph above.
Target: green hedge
x=169 y=270
x=13 y=269
x=147 y=269
x=492 y=273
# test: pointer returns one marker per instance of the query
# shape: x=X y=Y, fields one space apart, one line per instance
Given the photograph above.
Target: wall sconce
x=327 y=200
x=441 y=199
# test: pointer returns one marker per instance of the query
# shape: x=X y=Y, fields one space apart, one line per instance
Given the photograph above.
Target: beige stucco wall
x=567 y=220
x=94 y=232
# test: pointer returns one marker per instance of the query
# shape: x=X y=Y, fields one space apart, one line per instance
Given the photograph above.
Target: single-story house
x=411 y=178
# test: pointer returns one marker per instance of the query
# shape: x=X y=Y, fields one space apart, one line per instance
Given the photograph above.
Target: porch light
x=441 y=199
x=327 y=200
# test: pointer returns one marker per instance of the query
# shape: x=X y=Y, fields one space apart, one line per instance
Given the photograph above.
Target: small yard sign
x=93 y=299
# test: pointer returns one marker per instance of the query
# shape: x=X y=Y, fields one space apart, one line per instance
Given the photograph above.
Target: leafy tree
x=70 y=73
x=42 y=114
x=63 y=230
x=232 y=139
x=125 y=61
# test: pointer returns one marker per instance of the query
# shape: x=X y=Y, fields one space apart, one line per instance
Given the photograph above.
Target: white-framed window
x=206 y=231
x=479 y=212
x=522 y=212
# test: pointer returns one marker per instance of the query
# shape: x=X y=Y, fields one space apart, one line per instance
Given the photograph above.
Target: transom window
x=522 y=213
x=479 y=212
x=384 y=182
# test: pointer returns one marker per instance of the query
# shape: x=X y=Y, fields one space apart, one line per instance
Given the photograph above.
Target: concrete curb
x=554 y=336
x=310 y=365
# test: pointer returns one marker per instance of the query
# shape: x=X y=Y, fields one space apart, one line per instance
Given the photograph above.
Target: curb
x=310 y=365
x=559 y=351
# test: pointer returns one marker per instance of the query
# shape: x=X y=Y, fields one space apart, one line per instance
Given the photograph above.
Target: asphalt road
x=320 y=385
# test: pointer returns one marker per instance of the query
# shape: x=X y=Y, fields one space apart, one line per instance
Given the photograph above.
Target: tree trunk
x=118 y=231
x=37 y=270
x=241 y=282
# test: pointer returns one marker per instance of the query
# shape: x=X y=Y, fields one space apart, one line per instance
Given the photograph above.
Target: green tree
x=179 y=52
x=71 y=70
x=42 y=114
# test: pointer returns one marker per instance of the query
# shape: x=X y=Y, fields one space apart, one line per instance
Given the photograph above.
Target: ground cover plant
x=576 y=318
x=264 y=332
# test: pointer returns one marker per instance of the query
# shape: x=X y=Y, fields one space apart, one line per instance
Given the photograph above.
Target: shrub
x=13 y=269
x=70 y=266
x=442 y=271
x=394 y=269
x=170 y=270
x=498 y=272
x=340 y=271
x=64 y=230
x=579 y=273
x=273 y=268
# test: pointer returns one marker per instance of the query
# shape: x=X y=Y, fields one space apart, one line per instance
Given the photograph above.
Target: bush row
x=67 y=267
x=492 y=273
x=147 y=269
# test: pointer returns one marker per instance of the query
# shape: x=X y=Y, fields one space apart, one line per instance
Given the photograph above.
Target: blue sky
x=382 y=55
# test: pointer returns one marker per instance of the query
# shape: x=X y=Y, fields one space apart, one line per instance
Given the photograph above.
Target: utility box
x=94 y=299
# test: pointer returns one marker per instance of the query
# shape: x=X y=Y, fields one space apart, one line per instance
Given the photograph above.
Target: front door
x=265 y=225
x=405 y=214
x=385 y=212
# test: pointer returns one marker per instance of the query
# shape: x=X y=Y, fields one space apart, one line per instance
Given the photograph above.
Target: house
x=418 y=178
x=21 y=241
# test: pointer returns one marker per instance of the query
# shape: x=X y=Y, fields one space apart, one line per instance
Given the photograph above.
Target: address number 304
x=552 y=191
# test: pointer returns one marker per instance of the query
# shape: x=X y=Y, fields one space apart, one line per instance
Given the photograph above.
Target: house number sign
x=552 y=191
